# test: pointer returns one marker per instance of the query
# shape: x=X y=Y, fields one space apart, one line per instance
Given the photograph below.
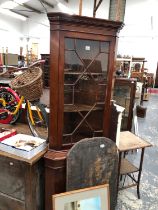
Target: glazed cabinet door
x=85 y=80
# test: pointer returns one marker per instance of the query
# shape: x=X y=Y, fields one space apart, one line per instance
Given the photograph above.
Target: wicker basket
x=29 y=84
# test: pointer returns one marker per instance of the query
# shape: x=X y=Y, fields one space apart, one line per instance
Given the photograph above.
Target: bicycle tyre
x=10 y=97
x=40 y=128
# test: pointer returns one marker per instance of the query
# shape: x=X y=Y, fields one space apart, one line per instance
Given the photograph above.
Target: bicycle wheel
x=11 y=100
x=38 y=120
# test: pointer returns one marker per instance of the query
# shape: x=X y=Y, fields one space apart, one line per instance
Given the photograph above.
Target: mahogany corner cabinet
x=82 y=54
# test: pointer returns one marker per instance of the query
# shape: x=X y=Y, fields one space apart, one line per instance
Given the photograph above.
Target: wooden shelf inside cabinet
x=80 y=108
x=79 y=73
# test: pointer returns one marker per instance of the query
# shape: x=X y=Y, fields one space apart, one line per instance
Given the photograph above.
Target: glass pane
x=72 y=62
x=69 y=43
x=68 y=94
x=104 y=47
x=121 y=95
x=81 y=126
x=101 y=94
x=84 y=90
x=95 y=66
x=87 y=49
x=95 y=119
x=102 y=59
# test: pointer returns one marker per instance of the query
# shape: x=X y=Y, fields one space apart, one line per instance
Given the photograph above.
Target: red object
x=9 y=133
x=16 y=96
x=7 y=118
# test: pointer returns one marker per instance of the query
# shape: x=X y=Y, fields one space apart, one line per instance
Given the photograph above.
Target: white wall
x=38 y=31
x=139 y=37
x=10 y=33
x=16 y=33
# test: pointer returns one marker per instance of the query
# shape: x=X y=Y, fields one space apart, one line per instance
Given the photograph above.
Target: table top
x=129 y=141
x=31 y=161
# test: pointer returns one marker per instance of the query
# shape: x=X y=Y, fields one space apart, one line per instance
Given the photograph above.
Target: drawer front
x=8 y=203
x=12 y=173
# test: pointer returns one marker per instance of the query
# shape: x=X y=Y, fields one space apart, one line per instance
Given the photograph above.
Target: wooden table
x=128 y=142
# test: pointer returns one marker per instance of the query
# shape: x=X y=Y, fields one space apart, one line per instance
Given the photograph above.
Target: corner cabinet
x=82 y=54
x=82 y=51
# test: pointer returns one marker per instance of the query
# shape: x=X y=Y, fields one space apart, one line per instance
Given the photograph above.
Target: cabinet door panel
x=8 y=203
x=85 y=81
x=12 y=178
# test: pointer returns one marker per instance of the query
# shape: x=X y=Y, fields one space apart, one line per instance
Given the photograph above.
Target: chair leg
x=124 y=180
x=138 y=192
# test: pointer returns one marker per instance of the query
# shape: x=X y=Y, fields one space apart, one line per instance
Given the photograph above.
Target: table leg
x=140 y=171
x=119 y=167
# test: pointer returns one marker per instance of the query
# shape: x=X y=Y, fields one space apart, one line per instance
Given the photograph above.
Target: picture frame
x=94 y=198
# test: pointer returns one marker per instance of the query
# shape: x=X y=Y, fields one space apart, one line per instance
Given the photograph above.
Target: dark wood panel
x=21 y=183
x=55 y=175
x=34 y=182
x=12 y=178
x=91 y=162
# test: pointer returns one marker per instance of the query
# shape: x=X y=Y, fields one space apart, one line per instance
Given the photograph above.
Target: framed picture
x=92 y=198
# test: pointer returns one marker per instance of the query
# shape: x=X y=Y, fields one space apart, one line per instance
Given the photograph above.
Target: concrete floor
x=148 y=130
